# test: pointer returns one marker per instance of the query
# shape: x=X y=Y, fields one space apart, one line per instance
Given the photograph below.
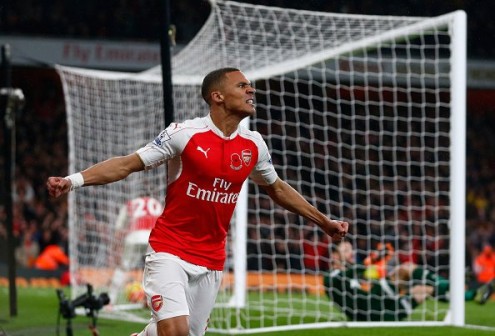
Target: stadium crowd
x=41 y=137
x=140 y=20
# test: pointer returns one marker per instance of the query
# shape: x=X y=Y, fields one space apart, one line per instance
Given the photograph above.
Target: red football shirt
x=206 y=171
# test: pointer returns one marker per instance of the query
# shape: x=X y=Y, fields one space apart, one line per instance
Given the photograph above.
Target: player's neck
x=226 y=123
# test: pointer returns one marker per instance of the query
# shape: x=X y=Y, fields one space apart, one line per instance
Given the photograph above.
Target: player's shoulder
x=195 y=124
x=250 y=134
x=180 y=132
x=255 y=137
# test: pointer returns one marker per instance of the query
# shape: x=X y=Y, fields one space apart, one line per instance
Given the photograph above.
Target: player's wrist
x=76 y=180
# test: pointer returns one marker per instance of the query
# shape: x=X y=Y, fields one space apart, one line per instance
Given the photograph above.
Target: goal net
x=364 y=115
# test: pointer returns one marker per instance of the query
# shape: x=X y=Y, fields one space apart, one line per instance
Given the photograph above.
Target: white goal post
x=364 y=115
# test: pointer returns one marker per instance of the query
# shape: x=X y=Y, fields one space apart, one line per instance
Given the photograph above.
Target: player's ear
x=217 y=97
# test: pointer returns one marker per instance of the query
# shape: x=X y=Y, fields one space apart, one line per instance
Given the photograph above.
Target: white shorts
x=175 y=287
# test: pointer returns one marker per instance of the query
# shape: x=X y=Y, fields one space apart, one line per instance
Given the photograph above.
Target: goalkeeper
x=391 y=298
x=209 y=159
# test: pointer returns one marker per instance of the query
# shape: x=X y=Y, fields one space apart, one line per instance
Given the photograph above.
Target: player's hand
x=337 y=230
x=58 y=186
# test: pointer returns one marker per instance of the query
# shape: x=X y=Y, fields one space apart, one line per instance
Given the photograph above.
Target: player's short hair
x=212 y=80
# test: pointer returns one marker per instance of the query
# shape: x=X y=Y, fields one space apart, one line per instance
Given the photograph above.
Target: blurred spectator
x=477 y=199
x=484 y=265
x=23 y=191
x=28 y=250
x=315 y=250
x=52 y=258
x=258 y=251
x=288 y=252
x=46 y=239
x=481 y=233
x=407 y=250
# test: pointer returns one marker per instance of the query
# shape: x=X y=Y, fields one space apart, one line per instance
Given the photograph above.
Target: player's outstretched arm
x=287 y=197
x=108 y=171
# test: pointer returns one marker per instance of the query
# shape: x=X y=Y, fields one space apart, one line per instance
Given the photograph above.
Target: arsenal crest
x=246 y=156
x=156 y=302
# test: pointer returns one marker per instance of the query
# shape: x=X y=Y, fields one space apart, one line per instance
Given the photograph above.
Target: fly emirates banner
x=97 y=54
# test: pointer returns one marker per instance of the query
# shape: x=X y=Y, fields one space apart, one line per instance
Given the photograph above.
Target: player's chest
x=213 y=156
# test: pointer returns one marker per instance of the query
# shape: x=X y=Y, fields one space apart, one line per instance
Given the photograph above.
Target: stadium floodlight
x=365 y=115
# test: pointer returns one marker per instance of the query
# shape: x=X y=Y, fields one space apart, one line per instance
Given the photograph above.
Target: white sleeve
x=263 y=173
x=168 y=144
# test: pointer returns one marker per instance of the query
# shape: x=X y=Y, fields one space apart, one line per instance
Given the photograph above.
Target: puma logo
x=205 y=152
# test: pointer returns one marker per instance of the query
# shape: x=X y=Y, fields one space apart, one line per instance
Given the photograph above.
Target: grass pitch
x=38 y=315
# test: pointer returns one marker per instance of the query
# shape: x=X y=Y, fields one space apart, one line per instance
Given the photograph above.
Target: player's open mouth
x=250 y=101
